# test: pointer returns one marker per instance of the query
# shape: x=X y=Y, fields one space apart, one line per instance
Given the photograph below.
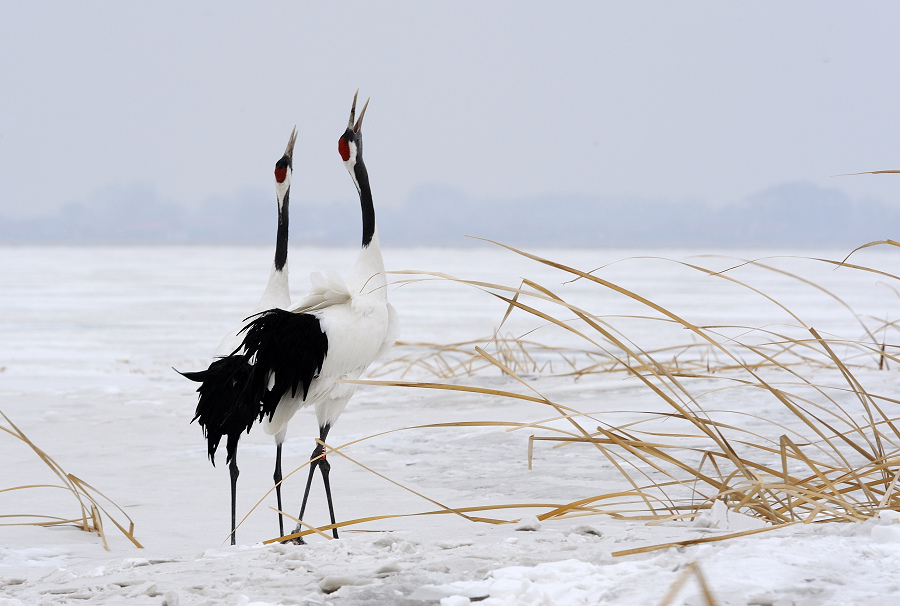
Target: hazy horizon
x=152 y=114
x=792 y=215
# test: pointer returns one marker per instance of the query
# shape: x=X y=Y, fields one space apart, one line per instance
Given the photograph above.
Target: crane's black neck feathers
x=281 y=237
x=361 y=176
x=365 y=201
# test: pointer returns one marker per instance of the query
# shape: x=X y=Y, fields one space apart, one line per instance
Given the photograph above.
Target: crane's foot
x=295 y=540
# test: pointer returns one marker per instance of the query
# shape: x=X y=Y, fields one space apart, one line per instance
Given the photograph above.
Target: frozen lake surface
x=89 y=338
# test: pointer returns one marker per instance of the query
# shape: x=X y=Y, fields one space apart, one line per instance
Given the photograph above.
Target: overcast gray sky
x=690 y=100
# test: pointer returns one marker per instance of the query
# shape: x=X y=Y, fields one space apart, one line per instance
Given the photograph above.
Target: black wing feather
x=226 y=405
x=291 y=345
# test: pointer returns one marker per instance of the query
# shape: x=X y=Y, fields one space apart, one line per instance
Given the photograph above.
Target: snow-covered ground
x=89 y=338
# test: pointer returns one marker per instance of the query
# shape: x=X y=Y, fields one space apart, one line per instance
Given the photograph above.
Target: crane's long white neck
x=277 y=293
x=368 y=273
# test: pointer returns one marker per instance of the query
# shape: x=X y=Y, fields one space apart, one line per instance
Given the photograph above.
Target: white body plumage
x=360 y=326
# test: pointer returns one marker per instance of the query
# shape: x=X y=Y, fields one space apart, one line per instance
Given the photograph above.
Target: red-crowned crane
x=226 y=407
x=334 y=334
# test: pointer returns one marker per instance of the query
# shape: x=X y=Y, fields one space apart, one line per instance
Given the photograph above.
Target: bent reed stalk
x=93 y=505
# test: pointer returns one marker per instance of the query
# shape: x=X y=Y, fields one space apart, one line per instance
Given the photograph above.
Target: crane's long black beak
x=289 y=150
x=358 y=124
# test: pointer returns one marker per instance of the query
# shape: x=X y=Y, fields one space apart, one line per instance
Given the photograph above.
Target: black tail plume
x=226 y=406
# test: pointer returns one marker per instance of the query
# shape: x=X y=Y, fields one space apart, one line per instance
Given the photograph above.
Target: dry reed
x=92 y=504
x=835 y=458
x=839 y=460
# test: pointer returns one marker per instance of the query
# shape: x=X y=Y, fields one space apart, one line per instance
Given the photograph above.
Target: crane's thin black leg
x=233 y=468
x=277 y=478
x=312 y=470
x=325 y=466
x=317 y=460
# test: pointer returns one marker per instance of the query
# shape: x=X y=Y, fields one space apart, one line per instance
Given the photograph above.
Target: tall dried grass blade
x=783 y=442
x=857 y=389
x=688 y=542
x=691 y=570
x=870 y=172
x=87 y=488
x=823 y=290
x=301 y=523
x=98 y=525
x=889 y=491
x=89 y=507
x=358 y=521
x=330 y=450
x=833 y=493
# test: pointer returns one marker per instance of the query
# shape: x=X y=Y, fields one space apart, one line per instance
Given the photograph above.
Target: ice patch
x=331 y=584
x=147 y=588
x=385 y=541
x=213 y=554
x=59 y=576
x=587 y=529
x=888 y=516
x=528 y=523
x=448 y=544
x=719 y=517
x=887 y=527
x=29 y=557
x=570 y=582
x=389 y=568
x=451 y=591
